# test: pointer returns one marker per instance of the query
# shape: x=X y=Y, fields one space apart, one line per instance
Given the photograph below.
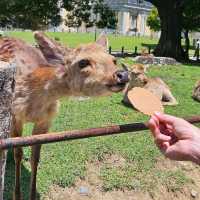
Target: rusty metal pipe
x=78 y=134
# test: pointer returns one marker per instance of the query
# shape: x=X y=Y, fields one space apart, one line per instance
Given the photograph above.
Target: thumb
x=173 y=152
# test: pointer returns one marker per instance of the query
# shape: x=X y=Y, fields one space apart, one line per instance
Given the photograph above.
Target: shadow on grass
x=152 y=46
x=192 y=63
x=10 y=179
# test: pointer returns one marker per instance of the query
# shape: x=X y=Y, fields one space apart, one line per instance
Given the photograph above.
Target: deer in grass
x=196 y=91
x=47 y=73
x=155 y=85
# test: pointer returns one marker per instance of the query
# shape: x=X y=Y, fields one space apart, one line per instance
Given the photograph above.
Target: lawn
x=74 y=39
x=63 y=163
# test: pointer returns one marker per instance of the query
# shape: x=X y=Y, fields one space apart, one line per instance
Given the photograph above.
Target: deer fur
x=44 y=75
x=196 y=91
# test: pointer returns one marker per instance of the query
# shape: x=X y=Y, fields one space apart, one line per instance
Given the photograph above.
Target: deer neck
x=143 y=79
x=44 y=80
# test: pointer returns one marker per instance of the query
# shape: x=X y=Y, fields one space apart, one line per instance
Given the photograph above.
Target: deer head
x=88 y=69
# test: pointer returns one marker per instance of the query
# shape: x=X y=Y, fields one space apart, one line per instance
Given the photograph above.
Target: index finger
x=153 y=126
x=155 y=130
x=164 y=118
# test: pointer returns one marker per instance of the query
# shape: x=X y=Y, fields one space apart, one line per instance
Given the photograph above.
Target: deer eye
x=83 y=63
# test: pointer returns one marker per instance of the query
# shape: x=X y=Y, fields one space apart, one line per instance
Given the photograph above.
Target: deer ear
x=139 y=68
x=125 y=66
x=52 y=51
x=103 y=41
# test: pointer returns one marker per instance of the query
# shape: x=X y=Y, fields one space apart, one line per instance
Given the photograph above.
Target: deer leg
x=169 y=99
x=18 y=154
x=35 y=158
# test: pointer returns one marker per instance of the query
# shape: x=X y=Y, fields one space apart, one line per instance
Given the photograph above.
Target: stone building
x=132 y=16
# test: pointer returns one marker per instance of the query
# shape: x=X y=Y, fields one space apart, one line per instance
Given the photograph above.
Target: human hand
x=176 y=138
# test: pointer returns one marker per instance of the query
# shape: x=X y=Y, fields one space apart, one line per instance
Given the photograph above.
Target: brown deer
x=196 y=91
x=47 y=73
x=155 y=85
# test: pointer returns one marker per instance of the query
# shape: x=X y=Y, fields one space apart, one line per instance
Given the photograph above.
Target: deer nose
x=122 y=76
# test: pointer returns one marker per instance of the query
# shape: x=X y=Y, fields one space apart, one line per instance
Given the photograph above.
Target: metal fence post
x=135 y=51
x=122 y=52
x=110 y=50
x=149 y=50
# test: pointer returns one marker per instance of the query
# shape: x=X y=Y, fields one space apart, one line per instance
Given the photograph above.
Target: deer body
x=38 y=93
x=196 y=91
x=46 y=74
x=155 y=85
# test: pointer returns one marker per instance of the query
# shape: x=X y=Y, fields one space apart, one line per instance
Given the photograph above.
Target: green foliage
x=191 y=15
x=153 y=20
x=107 y=17
x=79 y=11
x=190 y=19
x=90 y=13
x=176 y=16
x=28 y=14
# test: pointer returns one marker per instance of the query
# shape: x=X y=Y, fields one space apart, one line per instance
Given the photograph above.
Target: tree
x=190 y=21
x=170 y=13
x=78 y=12
x=107 y=17
x=29 y=14
x=153 y=20
x=90 y=13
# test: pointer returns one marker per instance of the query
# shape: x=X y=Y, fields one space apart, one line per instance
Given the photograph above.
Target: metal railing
x=79 y=134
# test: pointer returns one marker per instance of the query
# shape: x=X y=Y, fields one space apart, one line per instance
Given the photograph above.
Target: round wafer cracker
x=145 y=101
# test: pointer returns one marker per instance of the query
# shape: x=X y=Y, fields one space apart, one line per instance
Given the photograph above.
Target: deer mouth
x=121 y=78
x=116 y=87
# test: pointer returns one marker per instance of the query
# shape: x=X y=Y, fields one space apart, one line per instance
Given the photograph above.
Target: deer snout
x=122 y=76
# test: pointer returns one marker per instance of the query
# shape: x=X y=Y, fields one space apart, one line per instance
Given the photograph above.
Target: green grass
x=61 y=163
x=74 y=39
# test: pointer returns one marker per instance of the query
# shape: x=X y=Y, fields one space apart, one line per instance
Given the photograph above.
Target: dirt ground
x=91 y=187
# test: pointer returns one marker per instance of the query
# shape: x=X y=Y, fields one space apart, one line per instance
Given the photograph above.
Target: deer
x=47 y=72
x=196 y=91
x=138 y=78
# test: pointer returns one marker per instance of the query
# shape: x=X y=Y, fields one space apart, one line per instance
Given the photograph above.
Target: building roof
x=129 y=5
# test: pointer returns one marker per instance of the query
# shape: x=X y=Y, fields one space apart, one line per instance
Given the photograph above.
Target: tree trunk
x=187 y=43
x=169 y=45
x=7 y=72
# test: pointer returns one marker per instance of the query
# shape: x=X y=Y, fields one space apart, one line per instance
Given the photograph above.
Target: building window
x=140 y=1
x=133 y=22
